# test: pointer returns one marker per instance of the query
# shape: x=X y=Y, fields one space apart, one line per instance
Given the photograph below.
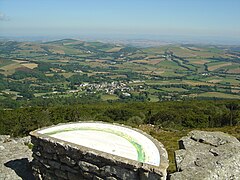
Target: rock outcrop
x=15 y=157
x=208 y=156
x=202 y=156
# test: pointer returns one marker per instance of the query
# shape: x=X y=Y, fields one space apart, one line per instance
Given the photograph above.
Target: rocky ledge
x=15 y=157
x=202 y=155
x=208 y=156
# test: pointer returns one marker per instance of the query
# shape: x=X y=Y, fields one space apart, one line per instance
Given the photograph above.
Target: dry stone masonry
x=202 y=156
x=57 y=159
x=207 y=156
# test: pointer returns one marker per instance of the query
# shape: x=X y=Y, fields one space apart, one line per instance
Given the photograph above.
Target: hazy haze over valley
x=207 y=22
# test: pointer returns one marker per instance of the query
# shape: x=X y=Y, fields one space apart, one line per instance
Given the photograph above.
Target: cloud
x=3 y=17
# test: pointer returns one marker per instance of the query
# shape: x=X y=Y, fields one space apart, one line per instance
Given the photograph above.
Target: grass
x=115 y=49
x=153 y=98
x=11 y=66
x=68 y=74
x=169 y=139
x=182 y=52
x=49 y=75
x=69 y=50
x=41 y=94
x=219 y=95
x=156 y=82
x=198 y=61
x=133 y=66
x=190 y=52
x=5 y=62
x=171 y=74
x=196 y=83
x=215 y=66
x=106 y=97
x=173 y=89
x=57 y=49
x=154 y=50
x=189 y=66
x=214 y=81
x=2 y=97
x=30 y=65
x=234 y=71
x=117 y=76
x=230 y=80
x=8 y=91
x=169 y=65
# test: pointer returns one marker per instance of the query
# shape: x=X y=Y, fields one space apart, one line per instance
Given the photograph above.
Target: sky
x=186 y=18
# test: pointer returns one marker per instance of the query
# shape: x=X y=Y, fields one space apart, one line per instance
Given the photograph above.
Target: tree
x=232 y=106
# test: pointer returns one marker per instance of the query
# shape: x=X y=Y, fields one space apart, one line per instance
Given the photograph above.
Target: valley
x=116 y=72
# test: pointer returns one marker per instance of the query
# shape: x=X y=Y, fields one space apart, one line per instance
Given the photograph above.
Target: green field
x=219 y=95
x=171 y=71
x=173 y=89
x=106 y=97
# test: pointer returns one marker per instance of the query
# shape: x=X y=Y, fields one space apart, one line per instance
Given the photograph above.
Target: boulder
x=208 y=156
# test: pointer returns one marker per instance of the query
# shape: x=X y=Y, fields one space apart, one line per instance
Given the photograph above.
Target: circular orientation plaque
x=113 y=139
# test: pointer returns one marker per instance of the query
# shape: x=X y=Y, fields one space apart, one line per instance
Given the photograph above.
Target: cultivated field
x=152 y=74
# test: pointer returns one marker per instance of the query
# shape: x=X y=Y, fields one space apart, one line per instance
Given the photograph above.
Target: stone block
x=119 y=172
x=49 y=148
x=74 y=176
x=61 y=174
x=54 y=164
x=97 y=178
x=68 y=169
x=111 y=178
x=67 y=160
x=88 y=167
x=149 y=176
x=47 y=155
x=88 y=175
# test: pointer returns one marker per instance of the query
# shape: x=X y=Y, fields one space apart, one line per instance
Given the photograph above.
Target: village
x=108 y=88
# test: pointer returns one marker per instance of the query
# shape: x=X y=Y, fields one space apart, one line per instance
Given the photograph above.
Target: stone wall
x=57 y=159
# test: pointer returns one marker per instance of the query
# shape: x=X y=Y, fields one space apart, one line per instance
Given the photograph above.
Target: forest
x=178 y=115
